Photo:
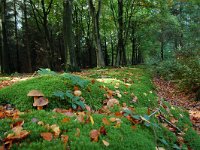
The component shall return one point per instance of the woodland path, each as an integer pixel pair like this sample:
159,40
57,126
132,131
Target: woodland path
170,92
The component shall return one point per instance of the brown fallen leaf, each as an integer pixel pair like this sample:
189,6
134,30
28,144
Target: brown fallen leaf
2,148
18,123
94,135
103,130
64,138
12,136
47,136
105,143
112,102
105,121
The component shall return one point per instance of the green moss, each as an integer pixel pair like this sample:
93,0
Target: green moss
192,139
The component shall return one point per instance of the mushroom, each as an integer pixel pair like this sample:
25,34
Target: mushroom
40,102
35,94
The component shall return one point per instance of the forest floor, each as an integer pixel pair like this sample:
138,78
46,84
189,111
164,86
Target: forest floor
172,94
165,89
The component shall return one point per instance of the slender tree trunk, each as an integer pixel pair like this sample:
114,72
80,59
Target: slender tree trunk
121,54
68,34
95,20
112,49
16,39
26,40
5,48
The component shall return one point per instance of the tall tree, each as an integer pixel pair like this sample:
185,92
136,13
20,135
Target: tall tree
68,34
95,14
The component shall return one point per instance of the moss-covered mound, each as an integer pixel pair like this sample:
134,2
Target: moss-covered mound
134,126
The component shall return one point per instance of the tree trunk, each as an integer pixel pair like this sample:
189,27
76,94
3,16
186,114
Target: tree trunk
16,39
5,48
26,40
121,54
68,34
95,20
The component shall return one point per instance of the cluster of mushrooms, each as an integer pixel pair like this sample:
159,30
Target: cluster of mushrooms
39,100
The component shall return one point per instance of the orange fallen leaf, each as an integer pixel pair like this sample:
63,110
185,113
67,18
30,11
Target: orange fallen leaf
105,143
94,135
66,120
2,115
76,88
12,136
47,136
2,148
112,119
118,114
105,121
64,138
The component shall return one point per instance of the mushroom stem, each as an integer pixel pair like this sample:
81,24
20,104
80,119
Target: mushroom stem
39,107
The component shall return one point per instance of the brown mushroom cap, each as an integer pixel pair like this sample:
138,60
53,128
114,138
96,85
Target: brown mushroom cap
35,93
41,102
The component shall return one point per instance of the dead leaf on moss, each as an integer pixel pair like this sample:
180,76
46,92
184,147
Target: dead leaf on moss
64,138
18,123
105,143
65,120
47,136
91,120
55,128
112,119
103,130
94,135
105,121
13,136
112,102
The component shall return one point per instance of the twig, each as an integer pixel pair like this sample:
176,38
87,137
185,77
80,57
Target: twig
154,112
163,118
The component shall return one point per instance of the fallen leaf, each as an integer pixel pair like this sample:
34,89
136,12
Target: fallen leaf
47,136
55,128
64,138
103,130
105,143
80,118
112,102
18,123
66,120
160,148
78,132
105,121
40,123
2,148
12,136
94,135
2,115
118,114
92,120
17,130
112,119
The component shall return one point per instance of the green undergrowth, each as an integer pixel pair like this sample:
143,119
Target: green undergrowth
93,84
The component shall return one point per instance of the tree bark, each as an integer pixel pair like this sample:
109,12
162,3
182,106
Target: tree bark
26,40
95,20
121,53
68,34
5,48
16,39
